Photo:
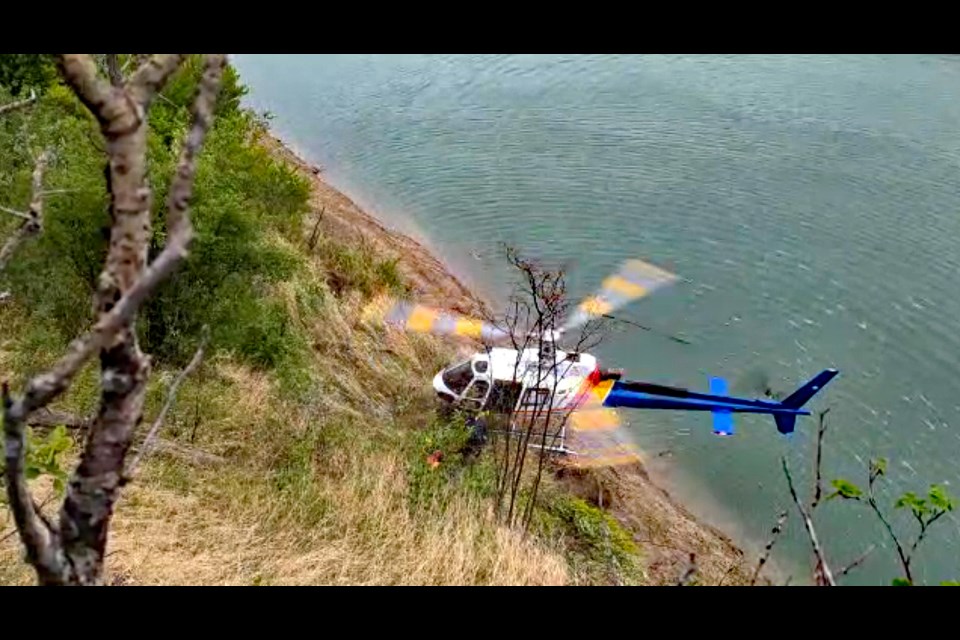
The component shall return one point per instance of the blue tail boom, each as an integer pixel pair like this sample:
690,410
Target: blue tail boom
645,395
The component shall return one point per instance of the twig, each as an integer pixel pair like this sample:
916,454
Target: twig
12,106
669,336
113,69
171,398
50,192
312,242
189,454
821,431
691,571
775,535
152,74
822,566
14,212
47,419
924,527
33,219
726,574
871,500
856,563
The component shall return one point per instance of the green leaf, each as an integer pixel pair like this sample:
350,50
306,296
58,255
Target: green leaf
900,582
940,499
846,489
910,499
950,583
878,466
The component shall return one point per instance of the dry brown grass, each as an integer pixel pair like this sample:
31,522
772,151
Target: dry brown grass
313,493
357,529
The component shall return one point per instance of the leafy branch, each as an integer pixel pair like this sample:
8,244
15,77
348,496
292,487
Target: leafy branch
925,511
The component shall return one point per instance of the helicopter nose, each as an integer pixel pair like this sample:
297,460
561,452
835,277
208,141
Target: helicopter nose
439,385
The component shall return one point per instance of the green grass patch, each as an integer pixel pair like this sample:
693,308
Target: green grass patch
595,543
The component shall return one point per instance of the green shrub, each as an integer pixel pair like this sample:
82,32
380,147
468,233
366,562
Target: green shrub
431,485
244,203
595,542
359,268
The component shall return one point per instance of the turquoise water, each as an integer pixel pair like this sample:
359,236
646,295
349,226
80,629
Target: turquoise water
811,202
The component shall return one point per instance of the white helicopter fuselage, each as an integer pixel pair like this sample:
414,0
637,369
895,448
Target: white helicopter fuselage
502,379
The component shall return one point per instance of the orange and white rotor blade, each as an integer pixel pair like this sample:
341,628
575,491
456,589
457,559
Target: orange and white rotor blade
634,279
423,319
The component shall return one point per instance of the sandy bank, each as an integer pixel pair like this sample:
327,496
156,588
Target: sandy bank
666,531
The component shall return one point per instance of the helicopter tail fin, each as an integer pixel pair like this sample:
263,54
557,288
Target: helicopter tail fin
802,395
786,421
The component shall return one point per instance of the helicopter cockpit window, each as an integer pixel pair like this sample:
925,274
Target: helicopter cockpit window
457,378
481,366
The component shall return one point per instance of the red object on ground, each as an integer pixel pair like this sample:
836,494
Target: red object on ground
434,458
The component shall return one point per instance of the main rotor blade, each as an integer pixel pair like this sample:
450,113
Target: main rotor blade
423,319
634,280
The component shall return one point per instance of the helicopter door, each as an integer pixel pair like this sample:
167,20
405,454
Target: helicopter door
476,394
534,399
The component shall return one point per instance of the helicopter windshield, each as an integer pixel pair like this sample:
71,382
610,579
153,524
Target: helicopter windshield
457,378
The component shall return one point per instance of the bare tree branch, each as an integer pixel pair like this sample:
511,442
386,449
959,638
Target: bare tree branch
821,432
133,59
126,281
113,69
105,102
823,569
15,213
767,550
19,104
33,219
312,242
38,540
187,454
47,419
171,398
202,112
150,77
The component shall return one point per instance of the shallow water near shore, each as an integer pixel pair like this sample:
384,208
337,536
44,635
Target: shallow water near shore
812,204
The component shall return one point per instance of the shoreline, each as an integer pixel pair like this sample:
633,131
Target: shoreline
666,530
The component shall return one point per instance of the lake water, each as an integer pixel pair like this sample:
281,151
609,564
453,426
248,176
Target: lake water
812,203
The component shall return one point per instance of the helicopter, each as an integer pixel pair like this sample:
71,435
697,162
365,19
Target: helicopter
544,380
